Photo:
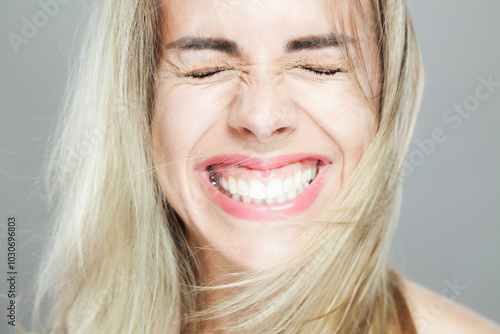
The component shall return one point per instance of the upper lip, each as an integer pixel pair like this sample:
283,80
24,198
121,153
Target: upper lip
259,164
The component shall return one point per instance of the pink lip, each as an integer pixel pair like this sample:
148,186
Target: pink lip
263,212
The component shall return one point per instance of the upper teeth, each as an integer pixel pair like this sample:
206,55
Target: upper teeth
276,191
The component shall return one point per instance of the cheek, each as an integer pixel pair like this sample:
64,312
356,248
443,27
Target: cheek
184,118
343,115
340,111
188,111
176,123
354,128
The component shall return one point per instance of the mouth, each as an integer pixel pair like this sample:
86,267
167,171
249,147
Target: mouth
270,189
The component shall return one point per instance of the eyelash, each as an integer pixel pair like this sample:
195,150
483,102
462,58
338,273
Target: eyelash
205,73
321,70
208,73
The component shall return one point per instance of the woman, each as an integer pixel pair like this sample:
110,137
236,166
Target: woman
245,171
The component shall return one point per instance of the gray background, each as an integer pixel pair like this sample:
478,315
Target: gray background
450,216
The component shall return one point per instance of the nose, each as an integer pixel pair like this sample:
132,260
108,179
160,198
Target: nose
263,113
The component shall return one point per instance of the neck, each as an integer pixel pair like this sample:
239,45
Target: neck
215,271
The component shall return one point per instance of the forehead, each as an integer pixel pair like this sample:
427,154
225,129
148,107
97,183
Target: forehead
256,23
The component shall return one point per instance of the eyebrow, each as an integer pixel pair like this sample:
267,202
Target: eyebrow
205,43
312,42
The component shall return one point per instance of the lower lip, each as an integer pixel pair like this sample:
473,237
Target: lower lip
257,212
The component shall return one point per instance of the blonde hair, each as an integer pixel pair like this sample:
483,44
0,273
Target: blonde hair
119,261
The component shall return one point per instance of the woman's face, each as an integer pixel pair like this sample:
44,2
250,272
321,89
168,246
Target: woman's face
258,123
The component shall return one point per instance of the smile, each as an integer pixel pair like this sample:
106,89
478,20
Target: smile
269,189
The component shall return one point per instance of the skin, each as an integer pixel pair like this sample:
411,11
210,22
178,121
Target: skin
440,315
263,105
265,102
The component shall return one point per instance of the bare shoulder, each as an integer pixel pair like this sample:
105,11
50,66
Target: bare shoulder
437,314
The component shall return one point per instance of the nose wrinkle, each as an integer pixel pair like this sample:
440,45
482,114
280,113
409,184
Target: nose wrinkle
263,112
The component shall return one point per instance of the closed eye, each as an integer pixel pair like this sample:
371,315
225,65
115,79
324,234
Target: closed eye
205,73
201,74
321,70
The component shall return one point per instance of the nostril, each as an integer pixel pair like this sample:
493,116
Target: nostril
281,130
